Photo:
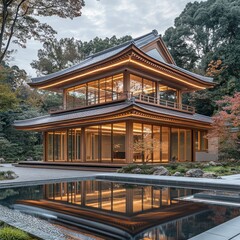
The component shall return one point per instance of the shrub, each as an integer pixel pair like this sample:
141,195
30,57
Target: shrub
10,233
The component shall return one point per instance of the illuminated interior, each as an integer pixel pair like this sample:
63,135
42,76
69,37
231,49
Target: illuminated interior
114,197
107,143
95,92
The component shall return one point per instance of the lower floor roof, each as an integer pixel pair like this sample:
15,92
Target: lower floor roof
129,109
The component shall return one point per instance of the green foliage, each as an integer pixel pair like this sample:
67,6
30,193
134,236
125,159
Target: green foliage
20,20
59,54
206,39
10,233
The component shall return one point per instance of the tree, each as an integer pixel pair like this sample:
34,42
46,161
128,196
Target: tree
226,123
59,54
206,39
145,146
20,20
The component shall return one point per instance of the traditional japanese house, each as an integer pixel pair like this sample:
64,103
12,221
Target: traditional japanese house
124,105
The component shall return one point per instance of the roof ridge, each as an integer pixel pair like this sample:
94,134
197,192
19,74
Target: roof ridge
154,32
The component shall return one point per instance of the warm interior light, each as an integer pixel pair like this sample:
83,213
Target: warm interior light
117,64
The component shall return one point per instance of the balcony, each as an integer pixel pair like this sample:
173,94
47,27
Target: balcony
164,103
117,97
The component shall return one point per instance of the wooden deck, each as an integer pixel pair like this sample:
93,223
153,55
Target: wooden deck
99,167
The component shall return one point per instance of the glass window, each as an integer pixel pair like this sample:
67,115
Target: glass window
147,144
92,143
167,93
71,145
106,143
188,145
119,135
156,144
137,142
165,144
135,85
149,88
117,86
108,89
93,92
76,97
50,146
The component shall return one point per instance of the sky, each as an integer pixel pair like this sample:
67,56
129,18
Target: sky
105,18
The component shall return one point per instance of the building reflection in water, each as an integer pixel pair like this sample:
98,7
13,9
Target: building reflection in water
123,211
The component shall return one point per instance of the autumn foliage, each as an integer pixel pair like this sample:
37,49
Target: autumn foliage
226,123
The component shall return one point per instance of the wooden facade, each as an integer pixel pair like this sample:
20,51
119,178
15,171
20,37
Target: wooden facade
123,105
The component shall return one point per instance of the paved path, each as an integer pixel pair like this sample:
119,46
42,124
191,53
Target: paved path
33,176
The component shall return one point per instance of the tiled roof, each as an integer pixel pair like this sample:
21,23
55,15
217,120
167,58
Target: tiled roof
138,42
111,108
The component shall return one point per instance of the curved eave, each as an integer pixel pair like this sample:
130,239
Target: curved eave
55,82
206,84
119,112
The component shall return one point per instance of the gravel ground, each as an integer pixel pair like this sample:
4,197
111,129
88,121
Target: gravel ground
38,227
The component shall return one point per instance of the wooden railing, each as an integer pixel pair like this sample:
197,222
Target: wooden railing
164,103
82,103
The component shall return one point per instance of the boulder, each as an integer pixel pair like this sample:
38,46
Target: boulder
209,175
177,174
10,175
29,159
161,171
2,160
212,163
195,172
136,170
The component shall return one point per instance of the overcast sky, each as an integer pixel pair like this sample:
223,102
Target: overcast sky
105,18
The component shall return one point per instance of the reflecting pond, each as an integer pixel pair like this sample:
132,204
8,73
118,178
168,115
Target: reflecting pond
114,210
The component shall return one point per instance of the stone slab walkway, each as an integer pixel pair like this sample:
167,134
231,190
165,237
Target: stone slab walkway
36,176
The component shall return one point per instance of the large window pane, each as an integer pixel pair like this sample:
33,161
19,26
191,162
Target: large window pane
182,149
106,143
50,146
93,92
76,97
156,144
135,85
108,89
167,93
188,145
92,143
117,86
71,145
149,88
165,144
147,144
137,142
119,135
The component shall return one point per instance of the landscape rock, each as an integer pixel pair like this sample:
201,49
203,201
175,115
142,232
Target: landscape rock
29,159
195,172
209,175
2,160
136,171
10,175
212,163
206,165
161,171
177,174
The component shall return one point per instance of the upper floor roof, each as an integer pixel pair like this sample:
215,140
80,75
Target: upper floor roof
150,44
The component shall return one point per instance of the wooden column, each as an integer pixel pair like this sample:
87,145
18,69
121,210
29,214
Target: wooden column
129,142
179,96
126,82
